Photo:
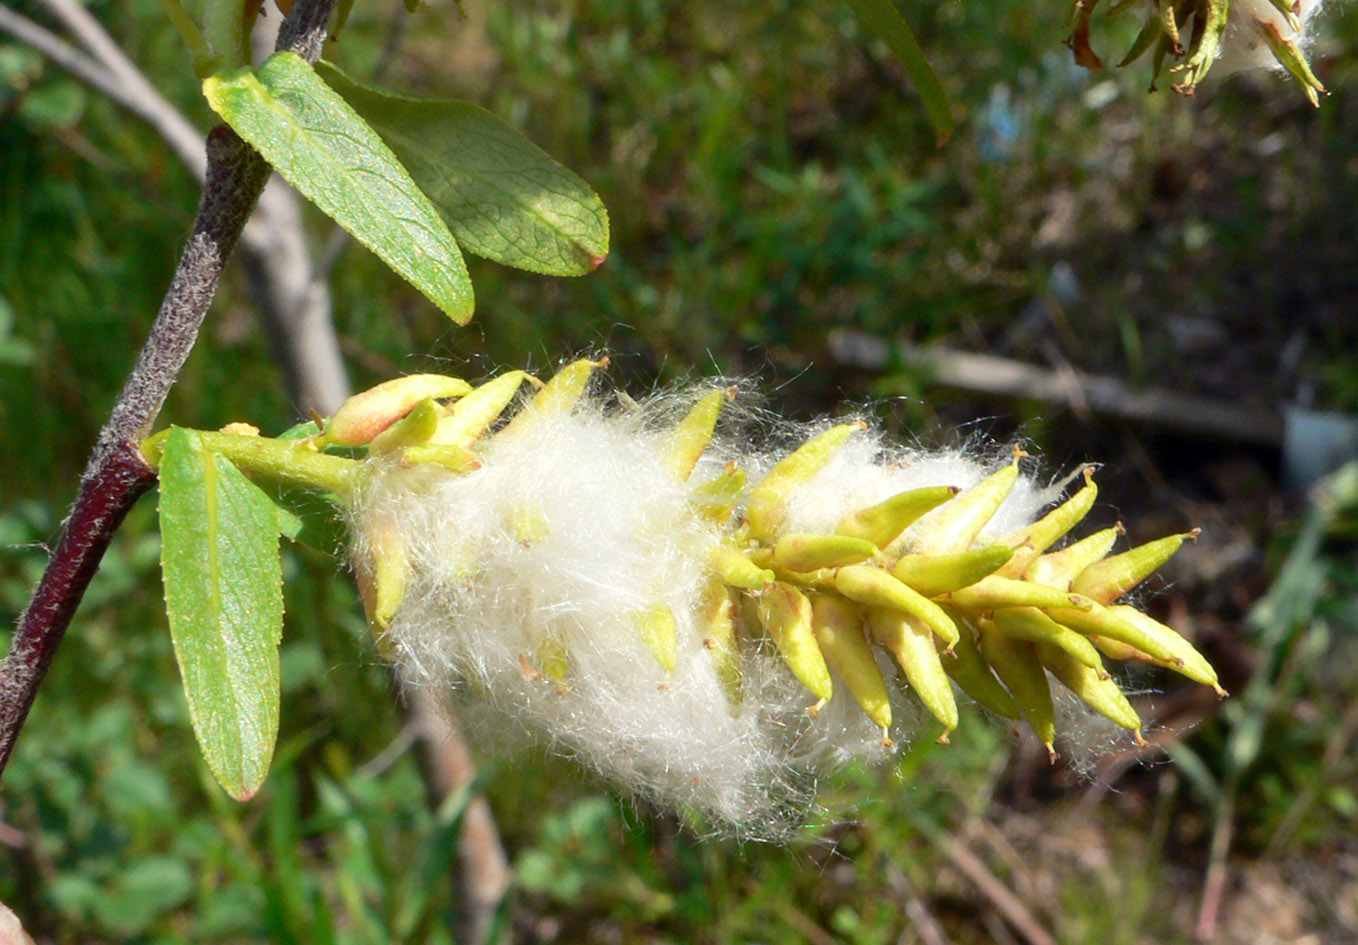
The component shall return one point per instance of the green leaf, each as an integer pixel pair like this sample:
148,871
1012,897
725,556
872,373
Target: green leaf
224,596
503,197
325,150
882,17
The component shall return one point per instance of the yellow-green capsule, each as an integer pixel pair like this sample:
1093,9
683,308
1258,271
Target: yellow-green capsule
1058,568
692,434
716,622
1099,692
991,593
1107,580
656,626
786,616
911,643
932,575
839,631
414,428
363,416
1102,622
737,570
553,659
1151,31
467,420
1169,22
1181,655
1025,623
883,523
876,588
806,552
528,523
1291,57
973,674
1028,543
383,580
1017,665
716,498
450,456
558,396
1288,8
766,508
954,526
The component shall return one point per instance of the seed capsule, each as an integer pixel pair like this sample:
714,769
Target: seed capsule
874,587
558,396
766,508
882,523
1025,623
363,416
554,659
716,498
786,616
415,427
1100,693
468,419
932,575
1182,655
973,674
694,432
716,621
992,592
1289,54
737,570
1057,568
805,552
953,527
656,626
912,645
383,579
1107,580
1103,622
1017,665
450,456
1028,543
839,631
528,523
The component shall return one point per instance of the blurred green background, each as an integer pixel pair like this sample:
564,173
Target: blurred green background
780,212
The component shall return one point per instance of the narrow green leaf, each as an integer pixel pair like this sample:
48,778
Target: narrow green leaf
882,17
224,597
325,150
503,197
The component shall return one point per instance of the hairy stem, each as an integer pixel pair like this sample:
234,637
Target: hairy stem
291,461
117,474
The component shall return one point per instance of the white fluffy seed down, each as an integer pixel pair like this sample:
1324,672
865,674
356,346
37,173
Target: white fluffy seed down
1242,45
568,532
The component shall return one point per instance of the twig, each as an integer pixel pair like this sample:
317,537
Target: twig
117,475
1000,896
922,921
1157,407
129,87
60,52
1214,885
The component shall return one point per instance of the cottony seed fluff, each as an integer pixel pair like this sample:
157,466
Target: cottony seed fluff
714,623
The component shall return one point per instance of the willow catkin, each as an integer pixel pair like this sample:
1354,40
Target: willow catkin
580,587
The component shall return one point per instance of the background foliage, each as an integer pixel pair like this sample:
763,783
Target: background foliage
774,195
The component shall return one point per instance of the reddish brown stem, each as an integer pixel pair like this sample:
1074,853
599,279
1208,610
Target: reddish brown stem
116,475
107,493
